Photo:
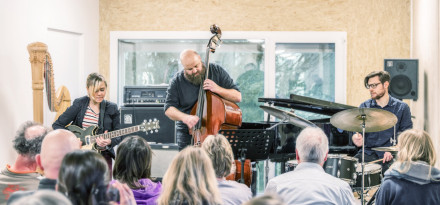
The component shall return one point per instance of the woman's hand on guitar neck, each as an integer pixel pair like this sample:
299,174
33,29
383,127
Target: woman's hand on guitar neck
101,142
190,121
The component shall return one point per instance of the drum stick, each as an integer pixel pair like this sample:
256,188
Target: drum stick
379,160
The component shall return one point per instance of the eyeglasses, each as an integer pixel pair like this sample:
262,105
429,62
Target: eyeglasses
374,85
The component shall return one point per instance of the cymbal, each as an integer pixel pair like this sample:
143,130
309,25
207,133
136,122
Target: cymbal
287,116
386,149
375,119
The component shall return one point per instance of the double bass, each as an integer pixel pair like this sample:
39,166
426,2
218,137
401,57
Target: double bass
216,113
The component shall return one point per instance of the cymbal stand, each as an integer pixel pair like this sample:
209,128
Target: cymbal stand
393,140
363,116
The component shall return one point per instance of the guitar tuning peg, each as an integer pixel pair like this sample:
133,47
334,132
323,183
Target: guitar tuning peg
156,131
151,131
155,119
149,120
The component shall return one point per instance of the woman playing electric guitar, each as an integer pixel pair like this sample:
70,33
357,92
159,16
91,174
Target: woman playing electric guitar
94,110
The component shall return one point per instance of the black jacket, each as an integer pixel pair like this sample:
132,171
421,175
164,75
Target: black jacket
75,115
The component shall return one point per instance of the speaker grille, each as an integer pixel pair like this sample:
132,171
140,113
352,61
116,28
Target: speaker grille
400,85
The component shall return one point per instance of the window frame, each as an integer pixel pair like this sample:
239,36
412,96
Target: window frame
271,38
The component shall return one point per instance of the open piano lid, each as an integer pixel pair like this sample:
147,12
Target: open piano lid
307,104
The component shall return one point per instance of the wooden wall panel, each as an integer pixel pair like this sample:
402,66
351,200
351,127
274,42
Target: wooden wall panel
376,29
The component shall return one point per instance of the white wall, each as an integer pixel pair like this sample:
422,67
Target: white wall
426,48
70,28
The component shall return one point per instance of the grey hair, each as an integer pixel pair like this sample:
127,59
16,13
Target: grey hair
312,145
26,143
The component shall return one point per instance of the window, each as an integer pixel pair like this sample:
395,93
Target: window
263,64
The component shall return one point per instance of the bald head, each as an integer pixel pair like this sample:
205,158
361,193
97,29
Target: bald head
55,145
189,58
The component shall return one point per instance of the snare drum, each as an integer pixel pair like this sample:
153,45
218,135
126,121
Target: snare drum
291,165
343,167
372,176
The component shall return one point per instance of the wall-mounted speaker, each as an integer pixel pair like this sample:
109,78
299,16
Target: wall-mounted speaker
404,77
131,116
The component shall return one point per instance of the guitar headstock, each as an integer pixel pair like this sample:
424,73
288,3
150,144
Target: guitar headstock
150,126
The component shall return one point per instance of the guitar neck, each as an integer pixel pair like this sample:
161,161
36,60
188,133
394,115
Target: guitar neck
117,133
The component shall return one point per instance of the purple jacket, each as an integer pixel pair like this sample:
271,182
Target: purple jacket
147,195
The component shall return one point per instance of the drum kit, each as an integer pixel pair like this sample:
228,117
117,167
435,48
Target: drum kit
362,120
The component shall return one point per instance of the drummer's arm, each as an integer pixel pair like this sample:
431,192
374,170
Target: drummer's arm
387,156
176,115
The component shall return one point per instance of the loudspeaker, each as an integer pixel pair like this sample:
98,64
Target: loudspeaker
162,157
131,116
404,77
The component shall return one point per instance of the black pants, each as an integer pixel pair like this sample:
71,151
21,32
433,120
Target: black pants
183,139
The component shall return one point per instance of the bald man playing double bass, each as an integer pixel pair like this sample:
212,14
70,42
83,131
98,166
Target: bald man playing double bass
183,91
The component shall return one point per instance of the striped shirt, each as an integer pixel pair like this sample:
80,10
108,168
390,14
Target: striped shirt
90,118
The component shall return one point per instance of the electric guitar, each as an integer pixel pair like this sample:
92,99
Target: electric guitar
88,136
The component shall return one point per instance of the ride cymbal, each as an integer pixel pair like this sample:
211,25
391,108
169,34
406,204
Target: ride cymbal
375,119
386,149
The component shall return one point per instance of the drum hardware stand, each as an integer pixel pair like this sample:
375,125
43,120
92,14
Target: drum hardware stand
363,116
394,140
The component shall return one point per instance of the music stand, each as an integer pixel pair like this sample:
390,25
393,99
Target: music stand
253,144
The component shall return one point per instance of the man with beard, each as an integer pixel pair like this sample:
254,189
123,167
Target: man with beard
182,94
377,83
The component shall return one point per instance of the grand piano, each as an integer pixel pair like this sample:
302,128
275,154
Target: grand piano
286,133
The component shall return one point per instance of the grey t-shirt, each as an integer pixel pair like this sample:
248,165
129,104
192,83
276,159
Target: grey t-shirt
233,192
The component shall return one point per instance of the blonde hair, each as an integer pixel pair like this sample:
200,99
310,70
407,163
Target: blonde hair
190,179
220,151
414,145
93,81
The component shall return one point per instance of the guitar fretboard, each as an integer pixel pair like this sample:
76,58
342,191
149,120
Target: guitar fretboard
117,133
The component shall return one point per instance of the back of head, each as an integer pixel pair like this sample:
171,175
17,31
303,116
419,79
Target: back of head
266,199
43,197
133,161
416,145
190,179
55,146
312,145
83,177
220,151
28,140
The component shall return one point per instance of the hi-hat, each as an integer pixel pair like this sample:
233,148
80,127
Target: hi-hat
375,119
386,149
287,117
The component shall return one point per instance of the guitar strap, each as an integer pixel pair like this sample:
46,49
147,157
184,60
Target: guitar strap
101,116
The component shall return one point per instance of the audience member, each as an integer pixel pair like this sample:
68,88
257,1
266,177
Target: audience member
266,199
22,174
43,197
55,146
133,167
219,150
308,183
190,179
412,179
83,178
